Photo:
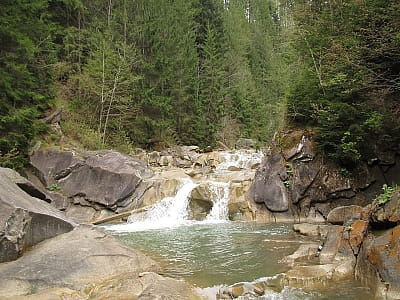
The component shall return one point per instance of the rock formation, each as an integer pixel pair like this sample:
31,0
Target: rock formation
295,184
63,260
25,220
90,185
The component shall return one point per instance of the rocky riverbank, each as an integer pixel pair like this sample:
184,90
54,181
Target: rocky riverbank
50,249
46,255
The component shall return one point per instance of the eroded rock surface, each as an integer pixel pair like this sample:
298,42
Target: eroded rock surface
24,220
295,180
87,261
101,180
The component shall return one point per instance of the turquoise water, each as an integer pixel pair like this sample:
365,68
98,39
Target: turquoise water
211,255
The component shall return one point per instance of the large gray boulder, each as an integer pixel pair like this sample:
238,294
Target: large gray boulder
25,220
101,179
268,186
87,261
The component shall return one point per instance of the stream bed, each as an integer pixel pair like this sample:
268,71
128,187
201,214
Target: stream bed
216,254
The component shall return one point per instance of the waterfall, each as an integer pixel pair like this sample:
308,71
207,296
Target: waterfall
241,159
173,211
169,212
219,211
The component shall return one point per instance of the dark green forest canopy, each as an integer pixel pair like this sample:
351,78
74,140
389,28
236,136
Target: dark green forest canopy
154,73
349,83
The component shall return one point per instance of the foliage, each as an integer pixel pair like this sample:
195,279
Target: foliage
386,196
54,187
28,48
349,82
151,73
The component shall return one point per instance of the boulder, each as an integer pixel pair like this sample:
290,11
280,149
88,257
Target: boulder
383,254
355,234
335,246
209,159
106,178
305,253
341,215
308,229
75,259
240,207
25,220
302,151
201,201
87,263
388,214
317,276
304,175
268,186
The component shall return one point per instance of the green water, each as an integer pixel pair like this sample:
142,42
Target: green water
208,255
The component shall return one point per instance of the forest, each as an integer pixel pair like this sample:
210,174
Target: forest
157,73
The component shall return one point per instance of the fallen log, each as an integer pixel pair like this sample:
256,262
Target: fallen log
120,215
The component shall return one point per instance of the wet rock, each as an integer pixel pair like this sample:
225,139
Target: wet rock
268,187
340,215
201,201
24,220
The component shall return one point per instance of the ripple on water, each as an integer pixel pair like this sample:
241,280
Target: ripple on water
210,256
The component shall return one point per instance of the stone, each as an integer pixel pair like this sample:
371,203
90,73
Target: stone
335,246
304,175
313,277
340,215
74,259
302,151
305,253
201,201
388,214
355,234
25,220
308,229
268,187
106,178
383,255
209,159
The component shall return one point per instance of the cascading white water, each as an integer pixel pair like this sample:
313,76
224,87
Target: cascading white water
219,211
241,159
173,211
169,212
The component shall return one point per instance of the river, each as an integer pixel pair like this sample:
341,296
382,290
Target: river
215,253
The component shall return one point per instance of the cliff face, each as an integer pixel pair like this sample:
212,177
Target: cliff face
294,182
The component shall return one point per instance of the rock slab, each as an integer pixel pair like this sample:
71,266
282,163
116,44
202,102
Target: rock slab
25,220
